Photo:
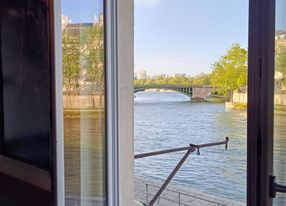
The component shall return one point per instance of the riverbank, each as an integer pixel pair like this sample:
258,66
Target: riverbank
278,109
239,101
175,194
87,113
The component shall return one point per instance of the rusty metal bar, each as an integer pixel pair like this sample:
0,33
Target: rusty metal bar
197,147
138,156
211,144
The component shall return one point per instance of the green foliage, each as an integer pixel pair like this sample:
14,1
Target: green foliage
280,60
83,59
230,72
201,79
71,61
94,56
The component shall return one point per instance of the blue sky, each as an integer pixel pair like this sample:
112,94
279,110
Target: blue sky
280,14
180,36
82,10
187,36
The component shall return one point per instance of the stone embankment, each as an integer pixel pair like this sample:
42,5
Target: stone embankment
83,101
239,101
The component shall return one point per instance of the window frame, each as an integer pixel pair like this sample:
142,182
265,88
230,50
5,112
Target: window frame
260,101
111,89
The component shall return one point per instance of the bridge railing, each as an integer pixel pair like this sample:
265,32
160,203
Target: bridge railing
170,86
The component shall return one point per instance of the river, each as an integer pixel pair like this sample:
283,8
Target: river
168,119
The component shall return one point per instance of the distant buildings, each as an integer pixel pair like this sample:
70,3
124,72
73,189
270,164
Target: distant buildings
68,25
180,75
280,39
141,75
65,22
280,36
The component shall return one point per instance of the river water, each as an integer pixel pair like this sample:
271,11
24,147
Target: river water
168,119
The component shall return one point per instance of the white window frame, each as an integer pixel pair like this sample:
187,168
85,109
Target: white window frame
111,92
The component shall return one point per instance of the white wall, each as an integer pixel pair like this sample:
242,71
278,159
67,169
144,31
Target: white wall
126,99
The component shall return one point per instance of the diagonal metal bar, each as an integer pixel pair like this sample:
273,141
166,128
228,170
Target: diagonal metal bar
168,180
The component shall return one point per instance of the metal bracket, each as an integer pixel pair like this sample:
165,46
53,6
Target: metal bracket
274,187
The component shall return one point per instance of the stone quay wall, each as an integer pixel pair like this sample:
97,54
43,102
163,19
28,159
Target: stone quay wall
279,97
83,101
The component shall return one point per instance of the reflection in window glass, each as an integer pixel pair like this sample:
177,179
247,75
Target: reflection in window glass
84,101
25,123
280,100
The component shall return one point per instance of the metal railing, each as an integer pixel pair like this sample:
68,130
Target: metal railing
183,199
191,148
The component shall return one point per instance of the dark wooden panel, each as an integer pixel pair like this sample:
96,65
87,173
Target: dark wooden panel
14,192
260,101
25,60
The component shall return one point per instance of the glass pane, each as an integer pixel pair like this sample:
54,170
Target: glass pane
280,100
190,88
84,101
25,81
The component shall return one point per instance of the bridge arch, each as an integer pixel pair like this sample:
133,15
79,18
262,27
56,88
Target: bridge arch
196,93
182,91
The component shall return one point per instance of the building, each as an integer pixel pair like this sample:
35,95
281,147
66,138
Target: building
142,74
180,75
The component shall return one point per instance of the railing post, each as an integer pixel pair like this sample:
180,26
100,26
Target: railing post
147,201
179,199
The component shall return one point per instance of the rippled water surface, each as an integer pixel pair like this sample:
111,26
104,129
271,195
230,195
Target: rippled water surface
167,120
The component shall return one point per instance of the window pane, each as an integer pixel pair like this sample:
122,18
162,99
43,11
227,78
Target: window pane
280,100
191,88
84,101
25,81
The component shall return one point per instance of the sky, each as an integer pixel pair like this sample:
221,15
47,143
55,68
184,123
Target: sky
82,11
280,14
187,36
180,36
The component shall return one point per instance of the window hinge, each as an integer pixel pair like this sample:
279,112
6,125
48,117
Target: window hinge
274,187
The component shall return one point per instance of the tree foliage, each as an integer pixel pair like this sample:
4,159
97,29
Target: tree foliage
94,56
230,72
280,60
201,79
71,61
83,59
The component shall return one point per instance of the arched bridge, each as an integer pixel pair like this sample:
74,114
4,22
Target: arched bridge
195,92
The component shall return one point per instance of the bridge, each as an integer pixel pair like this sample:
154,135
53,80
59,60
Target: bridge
195,92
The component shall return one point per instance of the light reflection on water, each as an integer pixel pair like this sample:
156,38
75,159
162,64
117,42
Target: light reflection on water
168,120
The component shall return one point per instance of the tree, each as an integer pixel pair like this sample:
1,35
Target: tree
280,61
201,79
71,61
93,56
83,58
230,72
